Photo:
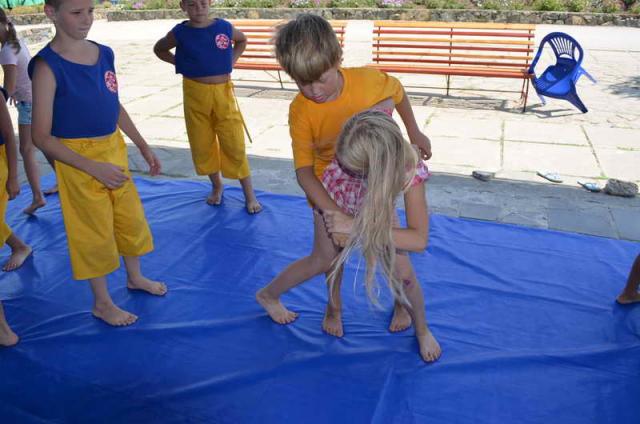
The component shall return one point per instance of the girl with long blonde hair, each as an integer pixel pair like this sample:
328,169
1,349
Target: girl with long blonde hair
379,166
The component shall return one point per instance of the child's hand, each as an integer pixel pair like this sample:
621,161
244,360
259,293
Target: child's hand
112,176
337,222
13,188
423,143
154,163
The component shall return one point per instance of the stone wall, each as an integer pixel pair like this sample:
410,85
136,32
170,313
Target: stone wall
443,15
41,18
36,35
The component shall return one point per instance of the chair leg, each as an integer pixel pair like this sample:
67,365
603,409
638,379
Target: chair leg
588,75
280,80
574,99
448,81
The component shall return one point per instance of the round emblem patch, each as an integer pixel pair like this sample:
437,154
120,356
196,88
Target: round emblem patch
110,81
222,41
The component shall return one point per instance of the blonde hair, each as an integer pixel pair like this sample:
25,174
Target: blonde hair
371,145
306,47
12,37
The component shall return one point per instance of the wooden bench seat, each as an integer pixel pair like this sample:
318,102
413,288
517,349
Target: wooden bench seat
491,50
259,54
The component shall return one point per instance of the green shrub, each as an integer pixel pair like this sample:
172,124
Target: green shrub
353,3
610,6
576,5
635,9
548,5
27,10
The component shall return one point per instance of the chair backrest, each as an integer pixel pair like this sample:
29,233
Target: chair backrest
563,45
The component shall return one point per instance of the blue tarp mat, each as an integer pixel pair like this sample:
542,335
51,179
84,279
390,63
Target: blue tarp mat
526,318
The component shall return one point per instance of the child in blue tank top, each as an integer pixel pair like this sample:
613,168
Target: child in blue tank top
206,50
77,117
9,189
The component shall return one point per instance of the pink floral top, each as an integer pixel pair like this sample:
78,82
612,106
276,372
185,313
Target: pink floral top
348,191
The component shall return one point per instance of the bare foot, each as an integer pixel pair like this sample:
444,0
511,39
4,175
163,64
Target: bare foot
215,198
429,347
51,190
253,206
17,258
275,308
153,287
113,315
332,322
401,319
625,299
34,206
7,336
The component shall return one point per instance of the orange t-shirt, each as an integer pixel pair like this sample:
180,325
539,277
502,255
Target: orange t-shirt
315,127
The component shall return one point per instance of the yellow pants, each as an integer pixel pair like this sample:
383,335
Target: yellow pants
101,224
5,231
214,127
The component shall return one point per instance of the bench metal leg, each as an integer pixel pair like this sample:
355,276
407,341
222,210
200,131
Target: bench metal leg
525,94
448,83
280,79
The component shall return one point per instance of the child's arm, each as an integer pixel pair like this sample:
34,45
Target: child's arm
413,238
239,44
13,188
413,130
44,89
10,79
129,128
314,189
163,47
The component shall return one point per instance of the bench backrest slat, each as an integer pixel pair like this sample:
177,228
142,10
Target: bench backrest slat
452,44
260,33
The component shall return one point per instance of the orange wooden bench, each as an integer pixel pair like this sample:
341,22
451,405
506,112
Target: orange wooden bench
259,53
490,50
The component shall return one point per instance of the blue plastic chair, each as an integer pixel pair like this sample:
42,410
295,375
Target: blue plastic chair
559,81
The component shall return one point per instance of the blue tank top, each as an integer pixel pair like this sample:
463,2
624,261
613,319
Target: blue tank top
86,102
203,52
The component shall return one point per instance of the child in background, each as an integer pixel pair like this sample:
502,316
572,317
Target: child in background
630,293
9,189
308,50
77,117
14,58
206,50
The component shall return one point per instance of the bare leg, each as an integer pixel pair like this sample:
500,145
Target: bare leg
137,281
298,272
215,198
429,347
7,336
105,309
20,251
401,319
28,153
252,204
630,293
332,322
